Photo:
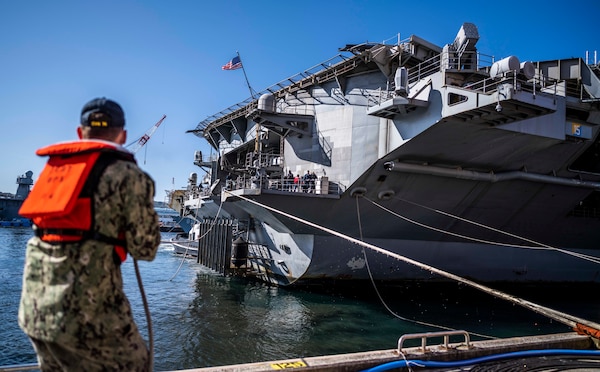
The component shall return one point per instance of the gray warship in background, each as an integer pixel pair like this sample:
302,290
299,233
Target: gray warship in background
11,203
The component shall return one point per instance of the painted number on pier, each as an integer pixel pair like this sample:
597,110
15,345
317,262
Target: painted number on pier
288,365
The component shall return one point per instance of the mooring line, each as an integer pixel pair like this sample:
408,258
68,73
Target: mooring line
541,246
561,317
138,275
381,297
442,231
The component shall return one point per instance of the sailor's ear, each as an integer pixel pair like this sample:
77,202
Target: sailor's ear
122,137
79,133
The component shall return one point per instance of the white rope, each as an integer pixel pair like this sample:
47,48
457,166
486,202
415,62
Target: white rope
381,297
561,317
148,316
540,246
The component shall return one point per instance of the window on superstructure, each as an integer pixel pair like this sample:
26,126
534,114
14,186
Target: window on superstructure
454,98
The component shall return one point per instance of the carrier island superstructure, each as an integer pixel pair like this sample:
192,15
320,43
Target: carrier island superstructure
482,166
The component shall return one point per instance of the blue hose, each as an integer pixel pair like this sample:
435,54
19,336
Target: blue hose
488,358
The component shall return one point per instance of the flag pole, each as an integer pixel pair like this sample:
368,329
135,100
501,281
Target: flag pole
252,93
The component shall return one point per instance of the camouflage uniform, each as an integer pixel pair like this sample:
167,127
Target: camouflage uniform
73,306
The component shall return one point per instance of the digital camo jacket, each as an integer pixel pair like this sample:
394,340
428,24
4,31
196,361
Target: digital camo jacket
73,292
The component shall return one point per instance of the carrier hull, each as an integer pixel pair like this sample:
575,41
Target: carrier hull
489,172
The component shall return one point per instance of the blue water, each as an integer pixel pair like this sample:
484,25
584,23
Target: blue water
202,319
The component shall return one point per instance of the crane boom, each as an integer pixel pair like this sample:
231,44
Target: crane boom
140,142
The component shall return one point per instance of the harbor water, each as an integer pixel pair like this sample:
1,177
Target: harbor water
201,319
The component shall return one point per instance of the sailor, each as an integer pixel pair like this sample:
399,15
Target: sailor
228,182
306,182
91,206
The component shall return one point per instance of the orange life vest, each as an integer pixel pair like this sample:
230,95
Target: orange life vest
61,202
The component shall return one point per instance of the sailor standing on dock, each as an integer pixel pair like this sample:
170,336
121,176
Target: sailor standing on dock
91,206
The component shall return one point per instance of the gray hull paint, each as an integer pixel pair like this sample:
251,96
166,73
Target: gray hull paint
487,178
10,204
335,258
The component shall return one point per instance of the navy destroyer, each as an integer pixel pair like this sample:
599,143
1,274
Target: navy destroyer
10,203
484,167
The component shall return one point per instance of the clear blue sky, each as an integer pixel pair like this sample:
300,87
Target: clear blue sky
165,57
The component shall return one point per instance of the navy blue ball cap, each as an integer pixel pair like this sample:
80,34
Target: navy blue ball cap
102,113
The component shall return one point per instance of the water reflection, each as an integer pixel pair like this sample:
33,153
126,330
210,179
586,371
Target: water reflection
235,321
244,322
231,321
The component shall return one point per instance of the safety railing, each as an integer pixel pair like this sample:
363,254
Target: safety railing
300,184
445,335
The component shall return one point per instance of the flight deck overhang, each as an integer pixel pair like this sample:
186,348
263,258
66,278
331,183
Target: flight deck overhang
396,106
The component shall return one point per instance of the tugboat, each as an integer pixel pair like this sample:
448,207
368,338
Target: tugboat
10,204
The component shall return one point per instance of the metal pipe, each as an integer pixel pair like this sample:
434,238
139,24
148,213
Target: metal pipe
487,177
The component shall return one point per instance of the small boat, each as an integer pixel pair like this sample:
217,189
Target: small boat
168,218
198,211
185,244
169,225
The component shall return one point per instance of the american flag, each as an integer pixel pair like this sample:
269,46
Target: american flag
233,64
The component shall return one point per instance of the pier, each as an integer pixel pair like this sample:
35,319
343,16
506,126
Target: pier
428,351
445,352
